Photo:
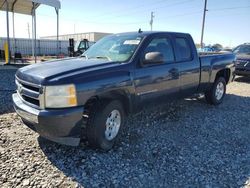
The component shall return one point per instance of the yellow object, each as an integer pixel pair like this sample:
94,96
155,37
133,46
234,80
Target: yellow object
72,96
72,101
72,90
6,51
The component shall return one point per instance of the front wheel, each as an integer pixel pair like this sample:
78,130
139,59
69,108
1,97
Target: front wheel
216,94
104,124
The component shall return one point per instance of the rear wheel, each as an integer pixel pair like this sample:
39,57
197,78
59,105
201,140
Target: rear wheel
216,94
104,124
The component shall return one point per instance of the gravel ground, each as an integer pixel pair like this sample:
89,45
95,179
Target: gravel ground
183,144
7,87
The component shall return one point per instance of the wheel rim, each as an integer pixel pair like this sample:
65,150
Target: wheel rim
219,92
113,124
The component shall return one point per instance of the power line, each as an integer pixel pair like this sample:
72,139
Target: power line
137,10
156,8
125,15
218,16
140,22
132,8
180,15
229,8
85,21
130,23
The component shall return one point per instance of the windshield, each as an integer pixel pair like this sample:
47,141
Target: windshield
243,49
114,48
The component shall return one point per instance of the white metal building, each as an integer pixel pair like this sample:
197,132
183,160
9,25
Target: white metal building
27,7
91,36
43,47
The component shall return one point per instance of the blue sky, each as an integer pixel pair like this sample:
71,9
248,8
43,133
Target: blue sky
227,22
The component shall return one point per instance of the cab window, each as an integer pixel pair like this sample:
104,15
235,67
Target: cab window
163,46
183,49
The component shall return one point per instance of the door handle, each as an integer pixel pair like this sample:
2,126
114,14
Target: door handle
174,72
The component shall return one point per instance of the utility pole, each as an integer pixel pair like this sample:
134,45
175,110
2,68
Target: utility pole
28,28
152,20
203,22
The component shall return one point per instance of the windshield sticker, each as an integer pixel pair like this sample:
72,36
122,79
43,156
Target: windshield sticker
131,42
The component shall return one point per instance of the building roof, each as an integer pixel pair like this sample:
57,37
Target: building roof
25,6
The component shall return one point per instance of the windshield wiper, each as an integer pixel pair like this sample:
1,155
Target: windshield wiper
101,57
84,56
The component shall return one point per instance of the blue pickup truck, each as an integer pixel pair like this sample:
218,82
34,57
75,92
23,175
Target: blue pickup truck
120,74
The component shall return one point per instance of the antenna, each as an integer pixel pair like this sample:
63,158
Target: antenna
152,20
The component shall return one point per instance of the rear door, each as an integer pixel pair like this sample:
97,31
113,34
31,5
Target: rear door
158,80
189,65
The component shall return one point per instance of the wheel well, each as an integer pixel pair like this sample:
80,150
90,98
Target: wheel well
113,95
225,73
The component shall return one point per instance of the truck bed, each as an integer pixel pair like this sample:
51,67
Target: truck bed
211,61
213,53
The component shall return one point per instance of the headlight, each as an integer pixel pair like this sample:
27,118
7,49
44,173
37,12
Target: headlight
60,96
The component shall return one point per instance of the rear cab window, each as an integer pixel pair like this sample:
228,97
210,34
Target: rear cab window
183,49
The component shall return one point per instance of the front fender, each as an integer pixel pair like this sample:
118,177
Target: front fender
119,84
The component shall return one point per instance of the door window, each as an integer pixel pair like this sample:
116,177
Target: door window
163,46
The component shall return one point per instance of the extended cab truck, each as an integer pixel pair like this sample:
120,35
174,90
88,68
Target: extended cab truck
116,76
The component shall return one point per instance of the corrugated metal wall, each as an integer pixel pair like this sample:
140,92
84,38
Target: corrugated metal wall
44,47
91,36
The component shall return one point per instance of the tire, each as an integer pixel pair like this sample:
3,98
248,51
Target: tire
97,129
216,94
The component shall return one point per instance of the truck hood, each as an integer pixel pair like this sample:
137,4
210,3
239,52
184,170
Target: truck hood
49,70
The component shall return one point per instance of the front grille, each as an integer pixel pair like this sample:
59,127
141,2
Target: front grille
31,100
241,63
30,93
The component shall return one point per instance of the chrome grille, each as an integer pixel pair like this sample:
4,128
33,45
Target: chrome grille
29,93
241,63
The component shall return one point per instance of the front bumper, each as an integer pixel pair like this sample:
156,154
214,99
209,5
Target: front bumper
59,125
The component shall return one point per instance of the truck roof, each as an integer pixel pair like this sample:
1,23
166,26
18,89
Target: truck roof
146,33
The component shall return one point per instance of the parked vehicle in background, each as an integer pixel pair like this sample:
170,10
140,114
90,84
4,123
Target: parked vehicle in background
118,75
76,49
242,64
227,50
209,49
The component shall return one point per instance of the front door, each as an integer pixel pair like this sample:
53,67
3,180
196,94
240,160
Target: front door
157,80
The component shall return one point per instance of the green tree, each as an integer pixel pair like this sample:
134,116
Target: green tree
219,46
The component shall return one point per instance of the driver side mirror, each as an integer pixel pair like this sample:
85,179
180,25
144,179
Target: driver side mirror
153,58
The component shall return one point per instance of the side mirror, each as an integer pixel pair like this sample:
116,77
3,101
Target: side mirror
152,58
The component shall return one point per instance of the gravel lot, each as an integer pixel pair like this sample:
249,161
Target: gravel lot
7,86
183,144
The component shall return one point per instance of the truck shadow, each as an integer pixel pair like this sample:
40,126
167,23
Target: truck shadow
189,143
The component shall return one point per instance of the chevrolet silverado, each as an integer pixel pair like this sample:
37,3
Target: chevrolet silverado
92,94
